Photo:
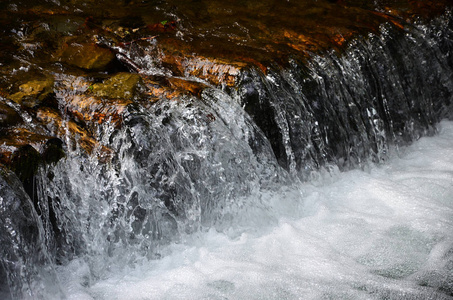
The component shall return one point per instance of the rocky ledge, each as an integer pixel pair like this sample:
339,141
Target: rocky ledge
68,67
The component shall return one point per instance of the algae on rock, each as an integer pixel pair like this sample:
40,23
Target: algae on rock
120,86
33,93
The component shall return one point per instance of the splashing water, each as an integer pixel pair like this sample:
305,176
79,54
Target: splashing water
384,233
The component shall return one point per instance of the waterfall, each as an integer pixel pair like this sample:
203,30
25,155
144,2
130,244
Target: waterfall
216,161
346,109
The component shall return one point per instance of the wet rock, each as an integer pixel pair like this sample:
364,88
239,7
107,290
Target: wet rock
87,56
8,116
120,86
93,111
25,161
191,87
74,134
213,70
53,151
34,93
158,91
172,88
17,137
23,151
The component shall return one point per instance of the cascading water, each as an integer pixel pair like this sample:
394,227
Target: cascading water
347,109
232,164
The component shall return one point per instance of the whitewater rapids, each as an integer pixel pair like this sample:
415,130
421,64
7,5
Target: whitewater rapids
381,233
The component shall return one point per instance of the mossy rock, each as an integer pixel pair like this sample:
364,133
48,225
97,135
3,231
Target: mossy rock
120,86
87,56
34,93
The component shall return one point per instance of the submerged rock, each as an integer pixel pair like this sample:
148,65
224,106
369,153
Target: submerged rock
214,70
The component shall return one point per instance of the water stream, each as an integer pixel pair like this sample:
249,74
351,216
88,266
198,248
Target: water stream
297,184
384,233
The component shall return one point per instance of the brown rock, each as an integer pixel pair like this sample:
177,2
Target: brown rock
93,110
214,70
120,86
69,130
182,85
17,137
172,88
87,56
34,93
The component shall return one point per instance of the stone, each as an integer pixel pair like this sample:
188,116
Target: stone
73,133
191,87
215,71
87,56
22,151
93,111
34,92
120,86
182,62
171,88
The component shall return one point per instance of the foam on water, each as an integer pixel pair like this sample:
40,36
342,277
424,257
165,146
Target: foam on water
385,233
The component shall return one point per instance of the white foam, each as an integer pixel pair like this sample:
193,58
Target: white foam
386,233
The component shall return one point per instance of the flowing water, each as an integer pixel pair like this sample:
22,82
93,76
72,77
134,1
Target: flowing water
384,233
297,184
